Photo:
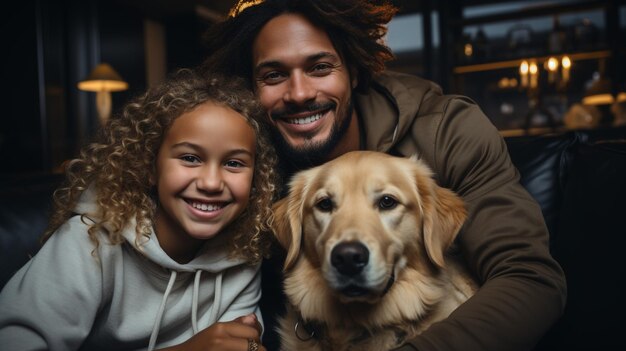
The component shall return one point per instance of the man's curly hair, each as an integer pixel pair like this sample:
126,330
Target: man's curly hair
120,164
355,27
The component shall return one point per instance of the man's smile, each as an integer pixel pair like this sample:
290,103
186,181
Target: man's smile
305,120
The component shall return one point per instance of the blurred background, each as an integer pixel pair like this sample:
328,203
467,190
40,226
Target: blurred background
533,66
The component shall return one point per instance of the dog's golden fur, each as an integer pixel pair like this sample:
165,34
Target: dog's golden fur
393,208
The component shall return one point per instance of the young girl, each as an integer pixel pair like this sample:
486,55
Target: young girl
156,240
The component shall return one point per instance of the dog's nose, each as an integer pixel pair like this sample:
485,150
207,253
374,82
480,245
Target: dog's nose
349,258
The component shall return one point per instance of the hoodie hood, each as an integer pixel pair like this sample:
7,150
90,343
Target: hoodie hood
213,257
388,108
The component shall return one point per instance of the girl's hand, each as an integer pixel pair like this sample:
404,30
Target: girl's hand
226,336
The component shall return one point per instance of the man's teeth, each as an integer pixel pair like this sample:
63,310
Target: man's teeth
306,120
206,207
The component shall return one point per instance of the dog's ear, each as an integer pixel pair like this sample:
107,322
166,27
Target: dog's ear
443,215
288,229
287,223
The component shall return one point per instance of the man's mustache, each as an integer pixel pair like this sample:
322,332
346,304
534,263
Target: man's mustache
292,109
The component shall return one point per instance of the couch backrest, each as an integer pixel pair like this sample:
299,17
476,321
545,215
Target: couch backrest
25,204
579,180
543,163
590,246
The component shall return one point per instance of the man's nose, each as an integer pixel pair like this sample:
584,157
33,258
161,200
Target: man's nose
300,89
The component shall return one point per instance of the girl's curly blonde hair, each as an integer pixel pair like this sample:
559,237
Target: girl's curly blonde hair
120,164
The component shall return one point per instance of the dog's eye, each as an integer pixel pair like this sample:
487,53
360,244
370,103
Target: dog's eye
325,205
387,202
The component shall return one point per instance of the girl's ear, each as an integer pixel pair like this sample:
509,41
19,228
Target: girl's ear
152,179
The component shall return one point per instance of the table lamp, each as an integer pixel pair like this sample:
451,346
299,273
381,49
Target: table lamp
103,80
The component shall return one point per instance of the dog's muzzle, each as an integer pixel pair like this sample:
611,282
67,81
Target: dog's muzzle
349,259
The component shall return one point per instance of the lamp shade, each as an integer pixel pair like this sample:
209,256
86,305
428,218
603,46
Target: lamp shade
103,78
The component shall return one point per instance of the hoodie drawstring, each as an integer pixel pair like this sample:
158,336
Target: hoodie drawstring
194,303
157,322
217,300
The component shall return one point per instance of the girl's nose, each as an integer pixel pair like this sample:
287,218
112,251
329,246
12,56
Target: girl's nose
210,179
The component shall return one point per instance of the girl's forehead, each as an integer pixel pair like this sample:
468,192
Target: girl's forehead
214,126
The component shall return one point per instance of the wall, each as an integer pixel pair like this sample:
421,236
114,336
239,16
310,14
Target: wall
49,47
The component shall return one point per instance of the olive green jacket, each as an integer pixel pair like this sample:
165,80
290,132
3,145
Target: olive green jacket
504,240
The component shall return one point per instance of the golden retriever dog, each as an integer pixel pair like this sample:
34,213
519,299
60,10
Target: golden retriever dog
367,237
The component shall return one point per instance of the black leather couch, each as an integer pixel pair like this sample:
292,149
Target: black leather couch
578,178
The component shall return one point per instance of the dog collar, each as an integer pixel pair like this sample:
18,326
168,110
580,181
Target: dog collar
309,330
306,331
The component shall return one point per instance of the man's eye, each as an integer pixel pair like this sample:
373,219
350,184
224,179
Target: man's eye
387,202
325,205
321,68
272,77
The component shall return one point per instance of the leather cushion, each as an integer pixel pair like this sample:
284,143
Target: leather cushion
543,164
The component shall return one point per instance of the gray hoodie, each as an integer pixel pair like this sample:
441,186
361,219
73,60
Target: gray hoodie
120,297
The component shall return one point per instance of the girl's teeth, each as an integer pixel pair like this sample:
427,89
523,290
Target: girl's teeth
205,207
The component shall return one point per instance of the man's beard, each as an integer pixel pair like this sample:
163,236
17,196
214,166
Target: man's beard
311,153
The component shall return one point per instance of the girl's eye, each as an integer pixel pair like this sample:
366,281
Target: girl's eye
325,205
190,158
387,202
234,164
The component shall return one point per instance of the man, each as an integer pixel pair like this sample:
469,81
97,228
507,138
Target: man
318,68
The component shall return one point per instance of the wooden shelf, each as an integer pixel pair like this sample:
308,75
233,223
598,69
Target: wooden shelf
490,66
508,133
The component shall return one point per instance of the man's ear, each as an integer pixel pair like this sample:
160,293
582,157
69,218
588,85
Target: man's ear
354,77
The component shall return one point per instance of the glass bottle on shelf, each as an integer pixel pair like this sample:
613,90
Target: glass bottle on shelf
557,37
481,46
